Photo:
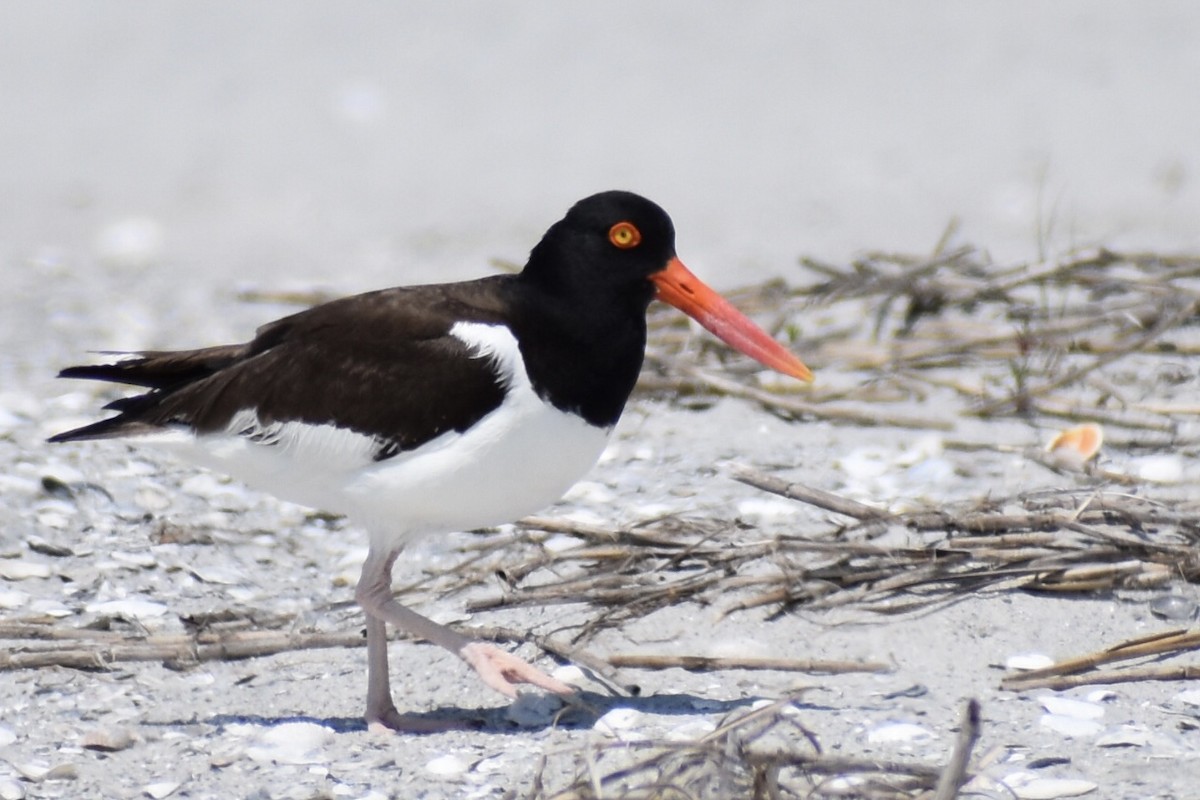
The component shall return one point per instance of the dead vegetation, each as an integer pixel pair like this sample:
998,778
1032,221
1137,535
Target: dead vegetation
1093,336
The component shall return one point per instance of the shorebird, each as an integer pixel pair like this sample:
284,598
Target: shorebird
421,410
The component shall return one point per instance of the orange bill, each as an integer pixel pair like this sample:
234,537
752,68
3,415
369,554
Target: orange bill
679,287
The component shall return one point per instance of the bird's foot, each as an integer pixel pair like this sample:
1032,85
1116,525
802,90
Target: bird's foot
502,670
389,720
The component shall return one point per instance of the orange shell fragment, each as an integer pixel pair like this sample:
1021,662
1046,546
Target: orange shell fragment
1083,440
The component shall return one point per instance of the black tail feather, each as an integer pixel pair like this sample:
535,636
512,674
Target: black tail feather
160,369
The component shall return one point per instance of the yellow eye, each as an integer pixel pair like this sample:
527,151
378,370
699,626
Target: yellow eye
624,235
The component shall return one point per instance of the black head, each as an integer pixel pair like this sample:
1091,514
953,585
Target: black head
609,242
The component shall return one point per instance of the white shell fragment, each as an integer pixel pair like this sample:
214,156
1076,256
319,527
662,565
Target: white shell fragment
1158,468
618,723
1031,786
1068,707
131,607
1028,661
1125,736
162,789
108,740
11,790
17,570
291,743
448,766
1073,727
898,733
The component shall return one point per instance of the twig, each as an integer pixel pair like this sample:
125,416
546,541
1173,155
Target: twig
954,775
714,663
805,494
88,653
1175,641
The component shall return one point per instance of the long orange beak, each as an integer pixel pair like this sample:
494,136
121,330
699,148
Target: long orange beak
679,287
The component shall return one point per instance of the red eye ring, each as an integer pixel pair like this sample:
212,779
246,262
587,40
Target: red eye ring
624,235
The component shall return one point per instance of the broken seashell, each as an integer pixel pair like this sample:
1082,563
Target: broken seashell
1082,440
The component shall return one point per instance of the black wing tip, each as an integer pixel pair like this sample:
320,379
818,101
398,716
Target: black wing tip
111,428
96,372
103,429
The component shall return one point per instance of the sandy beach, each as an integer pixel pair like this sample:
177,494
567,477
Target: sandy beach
174,176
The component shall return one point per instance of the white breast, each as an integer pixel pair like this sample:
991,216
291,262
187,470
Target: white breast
517,459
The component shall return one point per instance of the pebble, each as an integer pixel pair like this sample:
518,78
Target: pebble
291,743
1191,697
1031,786
7,736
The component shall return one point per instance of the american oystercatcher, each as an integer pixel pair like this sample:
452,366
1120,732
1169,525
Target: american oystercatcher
426,409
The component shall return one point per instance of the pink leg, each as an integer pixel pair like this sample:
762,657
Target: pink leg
499,669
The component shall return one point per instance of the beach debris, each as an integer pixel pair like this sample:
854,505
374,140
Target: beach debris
1079,444
108,739
1031,786
897,732
20,570
290,743
160,789
137,608
448,765
11,789
1165,468
1126,736
619,723
1173,607
1028,661
1070,707
1073,727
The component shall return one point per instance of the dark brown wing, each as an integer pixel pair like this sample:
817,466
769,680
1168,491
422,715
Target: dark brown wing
382,364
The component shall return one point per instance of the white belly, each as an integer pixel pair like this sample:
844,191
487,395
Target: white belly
519,458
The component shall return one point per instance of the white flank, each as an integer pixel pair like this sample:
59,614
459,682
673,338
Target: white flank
517,459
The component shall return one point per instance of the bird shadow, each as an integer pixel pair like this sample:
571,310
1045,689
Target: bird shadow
581,712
